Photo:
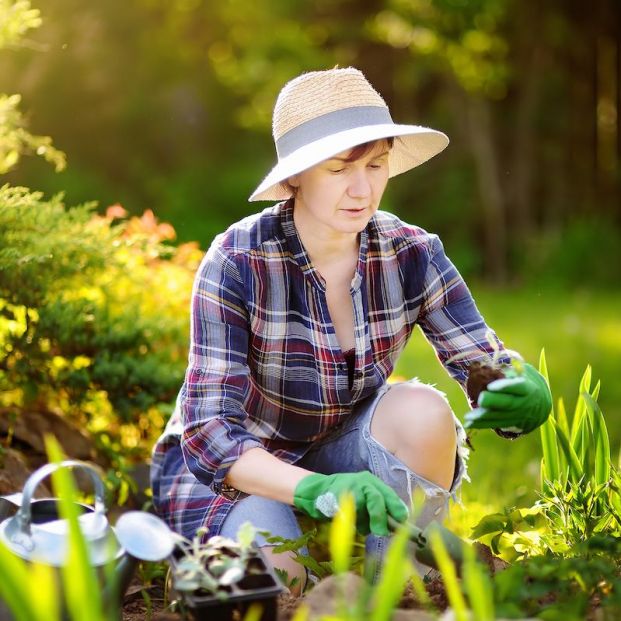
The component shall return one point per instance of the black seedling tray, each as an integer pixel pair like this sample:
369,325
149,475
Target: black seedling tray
260,585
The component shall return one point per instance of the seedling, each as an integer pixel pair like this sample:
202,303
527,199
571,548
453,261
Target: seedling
216,565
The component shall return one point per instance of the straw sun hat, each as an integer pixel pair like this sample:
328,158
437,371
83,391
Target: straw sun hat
322,113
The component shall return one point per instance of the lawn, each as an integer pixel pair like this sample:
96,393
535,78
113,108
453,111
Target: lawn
576,328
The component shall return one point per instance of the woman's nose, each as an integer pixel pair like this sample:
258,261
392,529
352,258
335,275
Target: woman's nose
360,185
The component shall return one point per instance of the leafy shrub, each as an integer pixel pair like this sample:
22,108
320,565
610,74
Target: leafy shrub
93,317
580,488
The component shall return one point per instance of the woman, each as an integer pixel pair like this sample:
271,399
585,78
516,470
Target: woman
299,314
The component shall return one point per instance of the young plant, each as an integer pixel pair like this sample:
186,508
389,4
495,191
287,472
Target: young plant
579,485
580,488
215,565
320,569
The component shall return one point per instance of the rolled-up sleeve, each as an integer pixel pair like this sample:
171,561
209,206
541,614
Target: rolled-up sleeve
450,319
216,382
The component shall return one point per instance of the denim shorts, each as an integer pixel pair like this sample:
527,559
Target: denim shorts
351,448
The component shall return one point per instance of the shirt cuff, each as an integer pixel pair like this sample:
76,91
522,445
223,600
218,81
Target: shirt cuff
218,485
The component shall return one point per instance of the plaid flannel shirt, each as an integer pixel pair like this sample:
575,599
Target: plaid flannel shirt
265,367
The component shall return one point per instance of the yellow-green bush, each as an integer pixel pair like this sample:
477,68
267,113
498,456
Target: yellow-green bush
93,317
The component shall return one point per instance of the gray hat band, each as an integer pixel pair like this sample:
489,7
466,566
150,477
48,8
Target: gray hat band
330,123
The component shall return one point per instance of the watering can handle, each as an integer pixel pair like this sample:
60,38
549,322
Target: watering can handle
24,515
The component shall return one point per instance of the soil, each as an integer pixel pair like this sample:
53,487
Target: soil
479,377
135,607
320,599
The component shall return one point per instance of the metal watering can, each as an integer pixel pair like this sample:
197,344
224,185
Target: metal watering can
37,533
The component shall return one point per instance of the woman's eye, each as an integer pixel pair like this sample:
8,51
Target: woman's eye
337,170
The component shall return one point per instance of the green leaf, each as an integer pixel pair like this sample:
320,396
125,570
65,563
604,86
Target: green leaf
245,535
550,465
449,576
491,523
478,587
81,588
585,385
17,587
575,467
394,575
561,419
342,534
601,439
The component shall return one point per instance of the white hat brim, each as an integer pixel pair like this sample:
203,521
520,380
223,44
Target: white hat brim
415,145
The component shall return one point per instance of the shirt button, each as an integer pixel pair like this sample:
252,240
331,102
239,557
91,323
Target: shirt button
437,511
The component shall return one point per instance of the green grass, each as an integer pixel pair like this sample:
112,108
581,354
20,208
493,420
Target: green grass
576,328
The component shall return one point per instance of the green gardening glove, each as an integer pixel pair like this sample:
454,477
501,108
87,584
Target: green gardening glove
317,495
518,404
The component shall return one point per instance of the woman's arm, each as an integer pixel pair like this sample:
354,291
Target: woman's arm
261,473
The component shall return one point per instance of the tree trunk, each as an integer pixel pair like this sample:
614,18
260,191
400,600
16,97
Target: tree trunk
481,137
530,66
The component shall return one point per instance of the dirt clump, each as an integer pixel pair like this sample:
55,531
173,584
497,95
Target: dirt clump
479,376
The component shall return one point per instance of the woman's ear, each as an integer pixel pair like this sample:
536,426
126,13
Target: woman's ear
293,182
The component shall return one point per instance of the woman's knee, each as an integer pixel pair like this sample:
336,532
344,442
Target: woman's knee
415,422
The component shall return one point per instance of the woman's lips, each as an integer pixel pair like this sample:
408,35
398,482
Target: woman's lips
355,212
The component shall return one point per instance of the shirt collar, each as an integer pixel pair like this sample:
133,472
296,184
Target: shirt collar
301,256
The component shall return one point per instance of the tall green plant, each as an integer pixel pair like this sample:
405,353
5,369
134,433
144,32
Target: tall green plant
580,451
33,591
580,486
28,590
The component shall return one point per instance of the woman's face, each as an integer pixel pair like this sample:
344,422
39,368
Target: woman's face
341,196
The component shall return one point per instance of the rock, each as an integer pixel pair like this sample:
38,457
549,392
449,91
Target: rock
323,600
14,472
449,615
31,428
412,615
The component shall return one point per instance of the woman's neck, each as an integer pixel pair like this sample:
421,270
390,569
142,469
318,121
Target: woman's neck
325,247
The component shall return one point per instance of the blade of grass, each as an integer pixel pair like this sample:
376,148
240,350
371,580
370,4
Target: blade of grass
585,386
575,467
81,587
561,420
601,438
341,543
449,576
342,534
46,601
588,448
550,465
394,575
478,587
14,586
421,592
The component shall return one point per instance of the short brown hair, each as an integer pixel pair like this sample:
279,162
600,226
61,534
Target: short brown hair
361,150
356,153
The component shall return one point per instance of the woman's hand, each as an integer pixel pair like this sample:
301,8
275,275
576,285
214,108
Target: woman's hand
516,404
317,495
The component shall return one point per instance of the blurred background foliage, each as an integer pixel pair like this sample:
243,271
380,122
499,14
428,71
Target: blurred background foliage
166,105
160,112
